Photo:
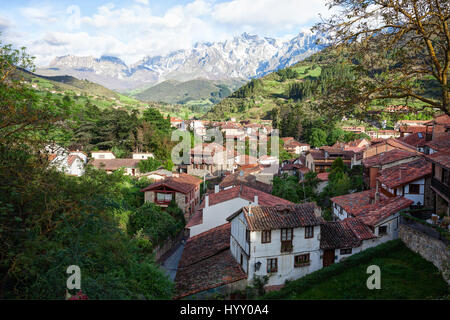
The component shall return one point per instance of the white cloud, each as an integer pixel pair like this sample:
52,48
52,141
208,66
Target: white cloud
142,2
40,15
269,13
130,32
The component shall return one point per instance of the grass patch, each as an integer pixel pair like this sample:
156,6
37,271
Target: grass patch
404,275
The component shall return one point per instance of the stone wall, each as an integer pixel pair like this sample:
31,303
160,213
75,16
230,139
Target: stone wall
428,245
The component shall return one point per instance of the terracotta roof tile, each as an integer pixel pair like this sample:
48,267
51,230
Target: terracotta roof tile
441,158
205,245
404,173
207,263
114,164
323,176
440,143
387,157
281,216
359,229
415,139
336,235
383,209
353,202
184,183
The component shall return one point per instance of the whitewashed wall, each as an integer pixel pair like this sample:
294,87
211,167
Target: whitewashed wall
216,215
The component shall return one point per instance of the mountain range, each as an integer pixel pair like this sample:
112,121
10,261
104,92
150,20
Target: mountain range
242,58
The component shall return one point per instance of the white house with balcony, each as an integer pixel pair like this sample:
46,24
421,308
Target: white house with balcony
282,242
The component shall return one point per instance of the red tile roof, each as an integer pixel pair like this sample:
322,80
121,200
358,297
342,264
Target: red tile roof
207,263
441,158
413,129
383,209
336,235
280,216
205,245
359,229
247,177
184,183
114,164
440,143
404,173
323,176
415,139
353,202
247,193
387,157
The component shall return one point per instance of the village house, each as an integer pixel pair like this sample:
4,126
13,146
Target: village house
209,159
380,146
175,122
142,155
69,162
130,166
159,174
372,165
355,129
416,140
406,130
282,242
439,126
439,143
440,181
250,176
355,145
218,206
384,134
321,160
184,189
343,238
410,180
207,267
105,154
374,209
293,146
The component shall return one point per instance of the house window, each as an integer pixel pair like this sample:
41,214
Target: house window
382,230
247,235
346,251
286,240
272,265
102,156
163,197
309,232
265,236
414,188
301,260
286,234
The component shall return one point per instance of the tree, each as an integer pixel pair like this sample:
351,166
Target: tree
395,47
318,137
148,165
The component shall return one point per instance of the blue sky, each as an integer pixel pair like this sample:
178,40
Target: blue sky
133,29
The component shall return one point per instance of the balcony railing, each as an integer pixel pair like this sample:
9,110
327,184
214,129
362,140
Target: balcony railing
442,188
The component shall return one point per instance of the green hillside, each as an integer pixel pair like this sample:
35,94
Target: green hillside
193,92
301,87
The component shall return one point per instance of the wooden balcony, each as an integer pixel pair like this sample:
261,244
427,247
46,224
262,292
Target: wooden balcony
440,187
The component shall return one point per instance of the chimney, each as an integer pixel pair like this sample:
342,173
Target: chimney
216,188
206,200
256,200
317,211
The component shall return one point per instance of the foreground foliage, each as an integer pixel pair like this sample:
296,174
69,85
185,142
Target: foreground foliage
404,275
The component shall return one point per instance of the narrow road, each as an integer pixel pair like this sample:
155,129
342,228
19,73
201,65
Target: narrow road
170,265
